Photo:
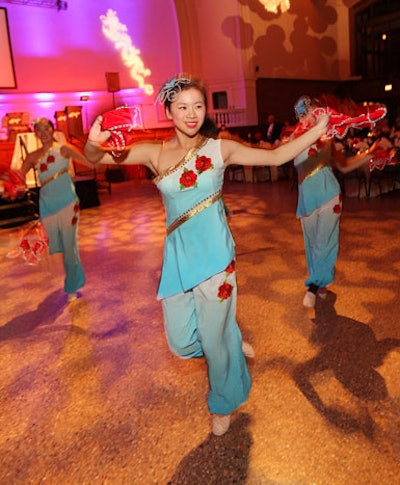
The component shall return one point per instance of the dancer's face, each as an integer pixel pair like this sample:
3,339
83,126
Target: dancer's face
307,119
188,111
44,131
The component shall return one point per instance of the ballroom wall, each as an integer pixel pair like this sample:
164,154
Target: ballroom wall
60,56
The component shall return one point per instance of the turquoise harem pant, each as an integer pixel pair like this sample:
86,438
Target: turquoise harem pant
62,231
200,323
321,241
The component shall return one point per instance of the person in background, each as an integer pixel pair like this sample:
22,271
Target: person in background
395,132
287,130
272,130
58,203
198,280
224,132
319,201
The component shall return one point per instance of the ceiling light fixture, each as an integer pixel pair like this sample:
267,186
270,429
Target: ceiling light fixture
57,4
273,5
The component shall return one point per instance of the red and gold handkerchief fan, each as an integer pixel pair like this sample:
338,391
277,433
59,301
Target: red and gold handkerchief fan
121,123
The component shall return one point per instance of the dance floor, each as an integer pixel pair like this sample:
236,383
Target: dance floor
90,393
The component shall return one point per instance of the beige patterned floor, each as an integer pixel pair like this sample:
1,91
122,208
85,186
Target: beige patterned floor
90,394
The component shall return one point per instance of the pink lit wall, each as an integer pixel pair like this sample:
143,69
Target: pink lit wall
61,55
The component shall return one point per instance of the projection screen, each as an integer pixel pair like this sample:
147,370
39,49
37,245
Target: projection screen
7,73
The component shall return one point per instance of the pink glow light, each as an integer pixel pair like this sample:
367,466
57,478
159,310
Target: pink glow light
118,34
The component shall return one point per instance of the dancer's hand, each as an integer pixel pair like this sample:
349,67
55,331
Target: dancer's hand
322,122
96,135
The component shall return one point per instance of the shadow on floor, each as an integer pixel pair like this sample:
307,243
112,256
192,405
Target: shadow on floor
218,460
351,352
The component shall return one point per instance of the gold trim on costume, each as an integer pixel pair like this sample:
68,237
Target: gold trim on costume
189,154
53,177
193,211
314,171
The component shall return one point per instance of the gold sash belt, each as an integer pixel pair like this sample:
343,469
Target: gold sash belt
193,211
53,177
307,174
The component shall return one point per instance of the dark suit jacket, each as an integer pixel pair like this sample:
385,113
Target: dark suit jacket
275,134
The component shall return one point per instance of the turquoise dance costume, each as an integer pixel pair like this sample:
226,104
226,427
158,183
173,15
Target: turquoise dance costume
59,214
198,280
319,209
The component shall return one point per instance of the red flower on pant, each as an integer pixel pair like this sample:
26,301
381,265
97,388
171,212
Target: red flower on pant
225,291
76,210
231,267
337,209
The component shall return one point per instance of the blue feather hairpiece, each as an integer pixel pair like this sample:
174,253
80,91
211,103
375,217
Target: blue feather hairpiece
171,89
302,106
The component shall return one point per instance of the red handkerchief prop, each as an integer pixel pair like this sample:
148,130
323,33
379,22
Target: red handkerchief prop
13,183
121,122
33,244
380,159
339,123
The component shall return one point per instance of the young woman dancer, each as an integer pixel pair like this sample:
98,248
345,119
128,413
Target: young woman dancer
58,202
319,197
198,282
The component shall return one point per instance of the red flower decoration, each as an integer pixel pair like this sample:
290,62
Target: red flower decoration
24,244
231,267
312,152
76,208
50,159
74,220
43,167
36,247
203,163
225,291
336,209
188,179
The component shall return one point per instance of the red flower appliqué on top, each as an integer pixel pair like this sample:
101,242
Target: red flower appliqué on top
188,179
43,165
203,163
313,152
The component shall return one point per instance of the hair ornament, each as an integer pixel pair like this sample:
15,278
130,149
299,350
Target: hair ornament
302,106
171,89
42,119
